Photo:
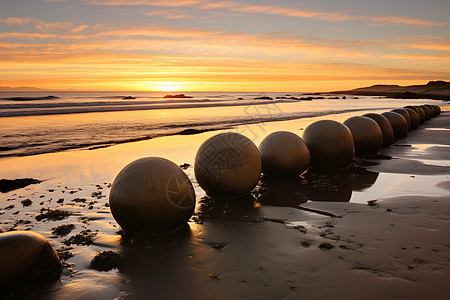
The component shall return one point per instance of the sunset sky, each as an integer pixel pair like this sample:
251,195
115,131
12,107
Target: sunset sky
236,45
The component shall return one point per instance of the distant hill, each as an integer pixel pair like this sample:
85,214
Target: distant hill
439,90
20,89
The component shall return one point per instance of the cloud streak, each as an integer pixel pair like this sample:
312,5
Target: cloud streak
160,44
177,40
337,16
15,21
164,39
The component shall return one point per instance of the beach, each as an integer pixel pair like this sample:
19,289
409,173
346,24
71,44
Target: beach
378,230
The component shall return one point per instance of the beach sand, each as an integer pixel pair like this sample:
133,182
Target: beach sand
382,232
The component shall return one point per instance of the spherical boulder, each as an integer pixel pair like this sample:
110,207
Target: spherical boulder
415,120
284,154
405,115
227,165
330,144
385,126
26,258
419,111
151,193
422,114
367,135
438,109
433,109
428,112
398,123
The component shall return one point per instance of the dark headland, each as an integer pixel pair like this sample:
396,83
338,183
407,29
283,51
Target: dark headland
437,90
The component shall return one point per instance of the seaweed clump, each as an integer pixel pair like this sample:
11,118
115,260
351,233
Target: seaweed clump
106,260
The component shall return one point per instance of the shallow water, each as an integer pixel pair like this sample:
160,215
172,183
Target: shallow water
86,120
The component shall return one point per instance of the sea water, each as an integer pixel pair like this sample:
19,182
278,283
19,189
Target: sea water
42,122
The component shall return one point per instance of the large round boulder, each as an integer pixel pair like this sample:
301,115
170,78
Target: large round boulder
151,193
405,115
284,154
415,120
422,114
227,165
26,258
438,109
367,135
433,109
330,144
418,111
385,126
398,123
428,112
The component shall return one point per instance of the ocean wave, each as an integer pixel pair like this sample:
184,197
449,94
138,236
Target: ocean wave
140,133
91,107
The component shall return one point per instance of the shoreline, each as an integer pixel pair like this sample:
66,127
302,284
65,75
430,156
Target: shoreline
185,129
390,240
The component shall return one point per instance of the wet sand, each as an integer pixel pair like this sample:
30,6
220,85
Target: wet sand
376,231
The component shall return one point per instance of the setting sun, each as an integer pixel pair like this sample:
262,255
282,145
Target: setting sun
169,86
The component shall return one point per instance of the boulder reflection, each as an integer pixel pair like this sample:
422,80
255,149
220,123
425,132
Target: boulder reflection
329,186
242,208
282,192
315,185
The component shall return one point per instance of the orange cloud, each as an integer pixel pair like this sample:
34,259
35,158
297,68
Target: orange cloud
41,25
163,39
24,35
15,21
79,28
274,10
169,14
419,57
440,46
216,43
38,24
404,20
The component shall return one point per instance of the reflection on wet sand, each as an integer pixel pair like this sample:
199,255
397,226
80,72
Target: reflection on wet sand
314,185
139,250
242,208
363,179
336,186
159,261
289,192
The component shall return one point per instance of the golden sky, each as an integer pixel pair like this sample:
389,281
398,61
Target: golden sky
201,45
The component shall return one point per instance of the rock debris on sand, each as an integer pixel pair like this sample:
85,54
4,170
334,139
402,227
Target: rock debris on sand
64,253
85,238
53,215
26,202
63,230
326,246
107,260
